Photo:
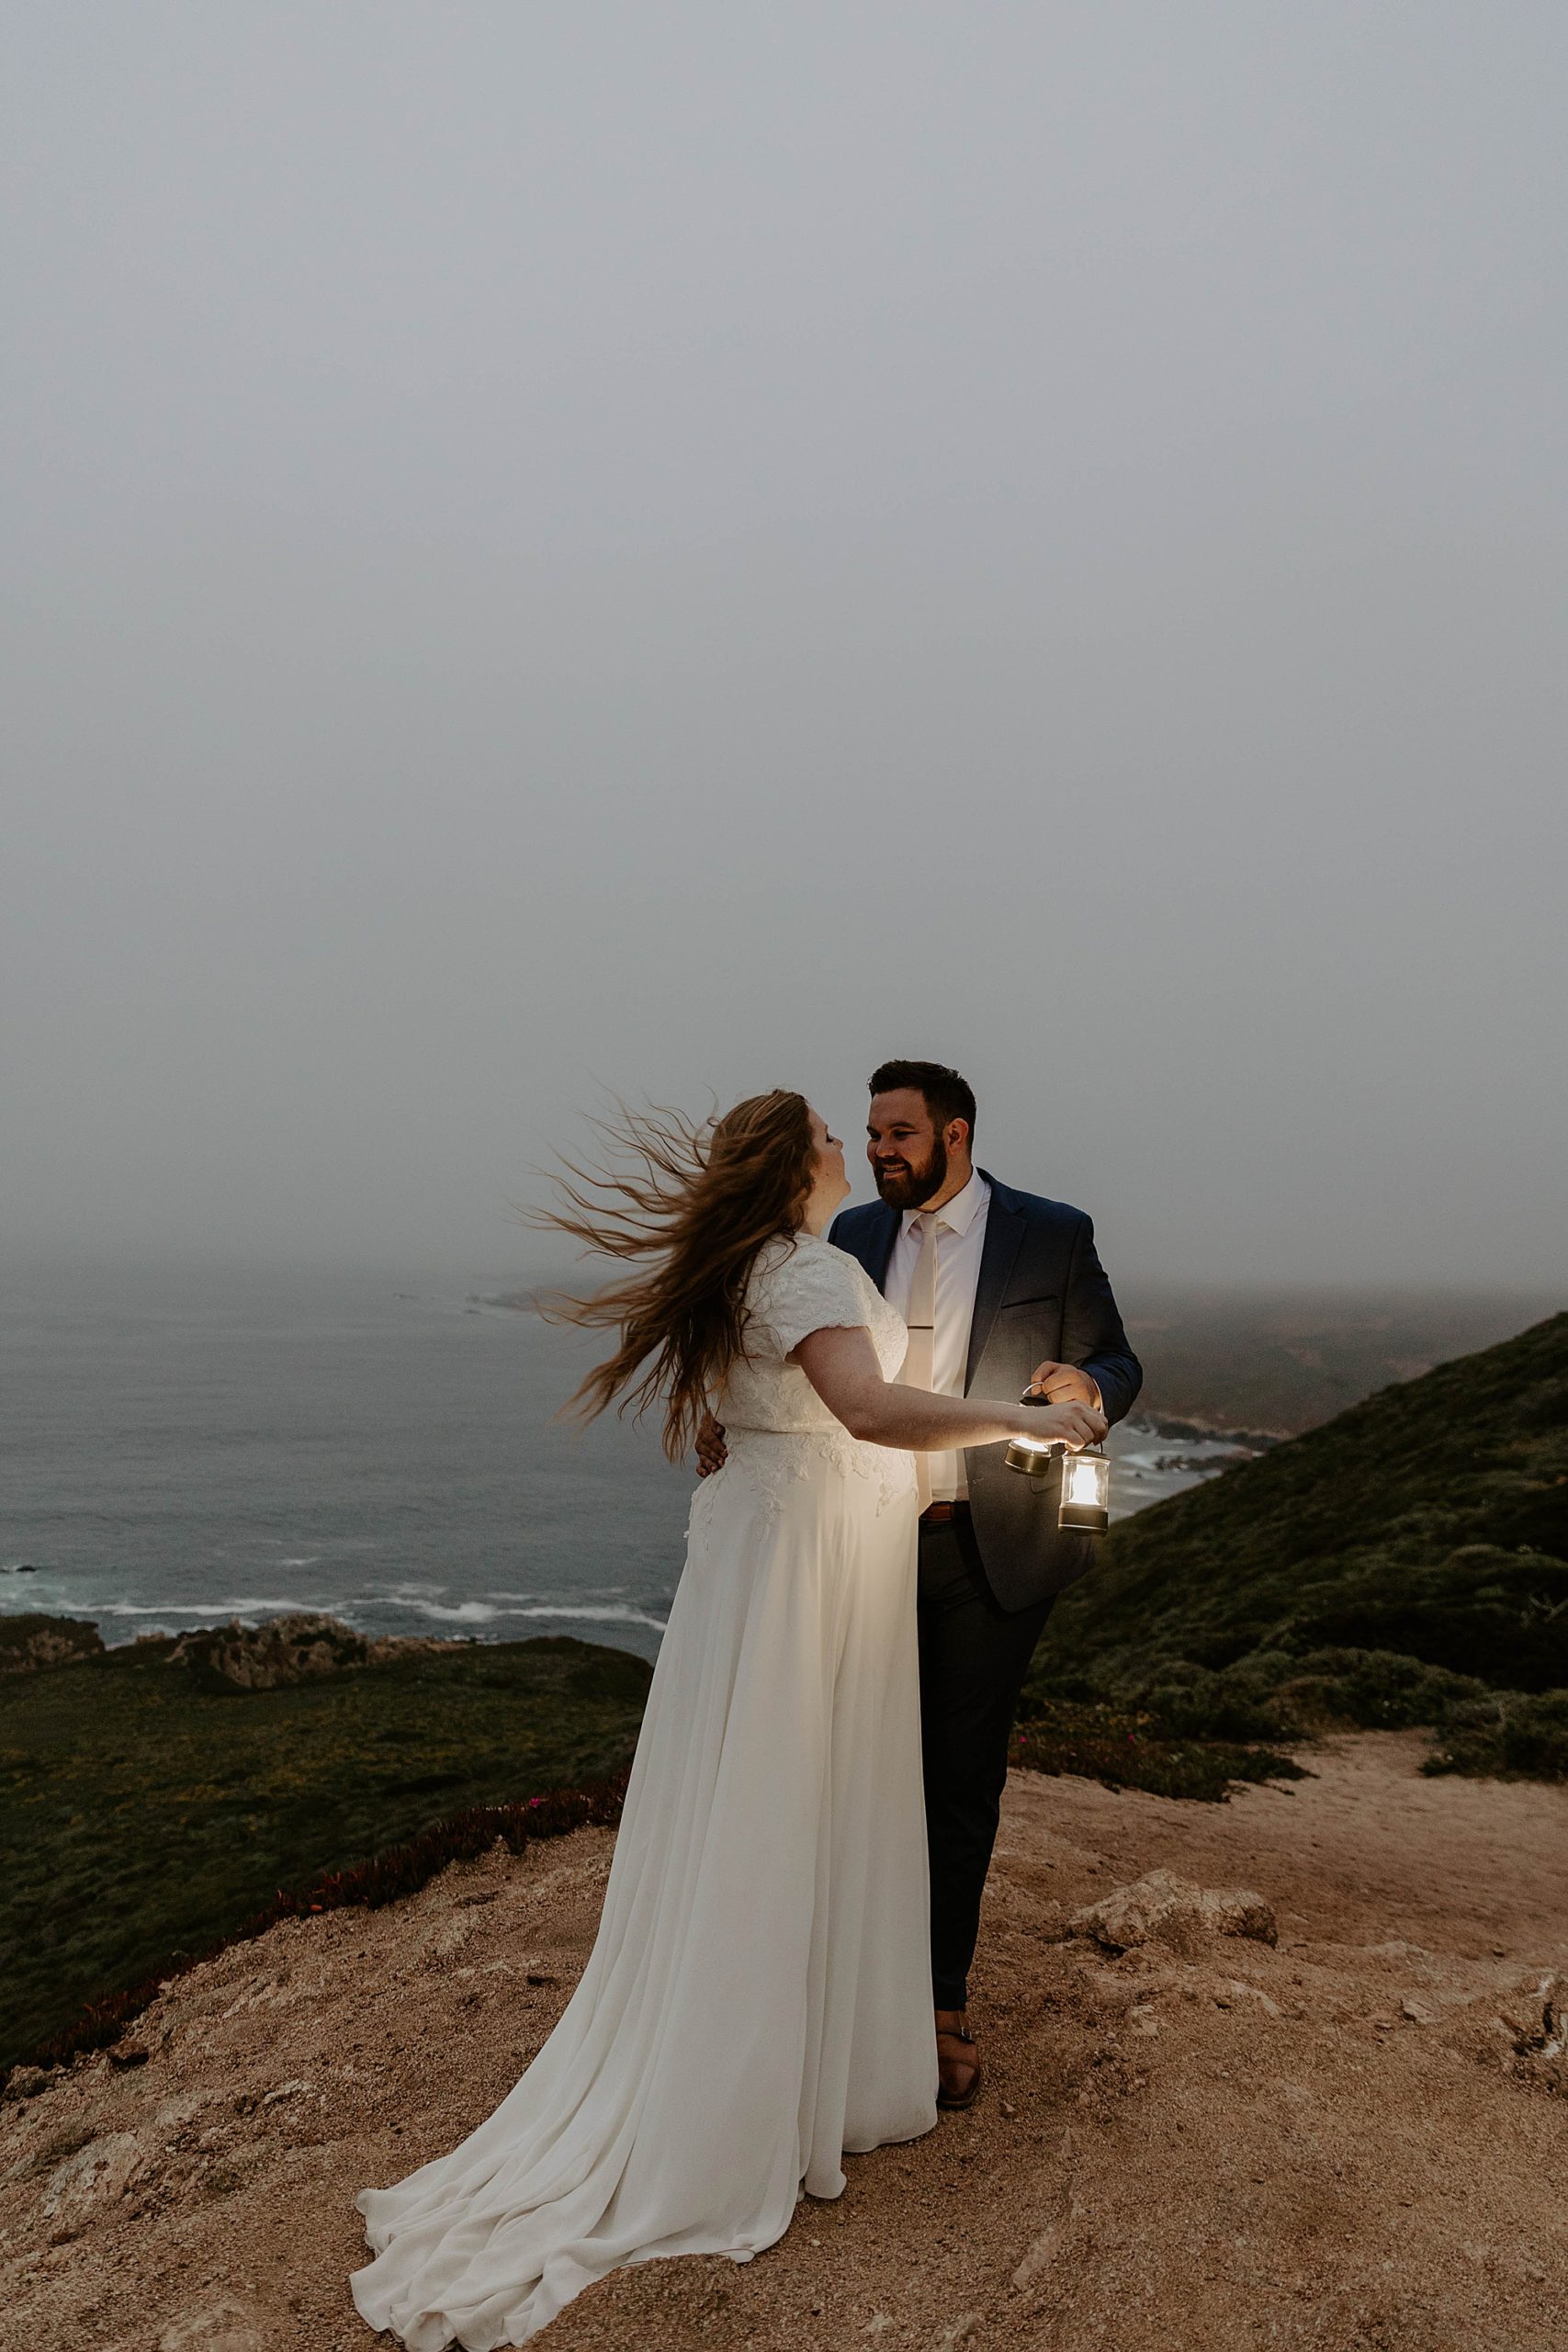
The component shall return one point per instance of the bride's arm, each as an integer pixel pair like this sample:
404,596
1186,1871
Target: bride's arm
842,1365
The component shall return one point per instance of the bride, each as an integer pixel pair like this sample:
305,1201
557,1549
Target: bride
757,2001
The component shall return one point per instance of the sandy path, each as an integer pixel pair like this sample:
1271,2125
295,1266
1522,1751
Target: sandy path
1335,2143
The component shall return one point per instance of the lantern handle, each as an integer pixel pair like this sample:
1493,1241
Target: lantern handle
1059,1444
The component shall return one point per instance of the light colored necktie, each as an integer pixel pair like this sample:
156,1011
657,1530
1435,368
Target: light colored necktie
921,1357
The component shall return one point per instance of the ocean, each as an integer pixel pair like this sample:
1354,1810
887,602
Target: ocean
184,1447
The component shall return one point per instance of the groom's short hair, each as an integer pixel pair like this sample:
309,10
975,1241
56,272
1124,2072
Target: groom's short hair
947,1096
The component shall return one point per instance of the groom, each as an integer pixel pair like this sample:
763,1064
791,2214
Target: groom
1015,1298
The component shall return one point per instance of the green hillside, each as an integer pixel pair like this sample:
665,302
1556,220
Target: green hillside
1404,1562
147,1809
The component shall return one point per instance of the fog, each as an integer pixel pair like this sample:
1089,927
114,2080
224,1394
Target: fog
676,550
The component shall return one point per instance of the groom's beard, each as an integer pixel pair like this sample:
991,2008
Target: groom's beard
906,1186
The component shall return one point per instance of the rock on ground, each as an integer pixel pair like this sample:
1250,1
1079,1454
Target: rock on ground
29,1645
288,1649
1350,2140
1165,1910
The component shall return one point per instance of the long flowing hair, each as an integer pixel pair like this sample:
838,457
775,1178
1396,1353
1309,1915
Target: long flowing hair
694,1200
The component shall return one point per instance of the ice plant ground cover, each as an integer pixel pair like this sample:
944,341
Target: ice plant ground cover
148,1812
387,1878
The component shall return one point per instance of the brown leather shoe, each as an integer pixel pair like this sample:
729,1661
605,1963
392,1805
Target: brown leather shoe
957,2061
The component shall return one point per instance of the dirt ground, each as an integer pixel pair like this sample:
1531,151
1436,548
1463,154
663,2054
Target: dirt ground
1355,2141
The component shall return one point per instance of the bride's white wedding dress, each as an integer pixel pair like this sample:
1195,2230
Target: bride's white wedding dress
758,2000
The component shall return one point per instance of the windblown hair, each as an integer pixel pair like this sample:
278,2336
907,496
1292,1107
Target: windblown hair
696,1200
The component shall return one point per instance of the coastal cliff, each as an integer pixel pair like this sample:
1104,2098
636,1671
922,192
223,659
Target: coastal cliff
1347,2137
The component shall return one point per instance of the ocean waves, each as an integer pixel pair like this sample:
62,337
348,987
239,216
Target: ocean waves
482,1612
263,1448
253,1450
401,1608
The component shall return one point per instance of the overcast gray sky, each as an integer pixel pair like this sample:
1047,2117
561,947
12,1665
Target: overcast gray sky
687,548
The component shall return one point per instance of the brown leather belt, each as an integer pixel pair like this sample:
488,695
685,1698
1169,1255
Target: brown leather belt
943,1514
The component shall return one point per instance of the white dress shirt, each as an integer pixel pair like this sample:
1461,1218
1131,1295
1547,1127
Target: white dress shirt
959,1238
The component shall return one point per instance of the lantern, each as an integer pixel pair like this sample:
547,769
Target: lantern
1086,1492
1086,1478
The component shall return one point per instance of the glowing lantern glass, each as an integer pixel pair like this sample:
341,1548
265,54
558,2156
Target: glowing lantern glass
1086,1492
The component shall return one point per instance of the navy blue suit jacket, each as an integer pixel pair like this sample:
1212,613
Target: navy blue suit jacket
1041,1292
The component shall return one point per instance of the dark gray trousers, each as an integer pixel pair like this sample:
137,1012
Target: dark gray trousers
974,1656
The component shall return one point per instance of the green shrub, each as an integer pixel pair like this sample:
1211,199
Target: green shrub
1505,1735
1234,1702
1376,1689
1498,1616
1130,1750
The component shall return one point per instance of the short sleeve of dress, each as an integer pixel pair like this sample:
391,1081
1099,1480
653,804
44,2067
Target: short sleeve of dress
814,1287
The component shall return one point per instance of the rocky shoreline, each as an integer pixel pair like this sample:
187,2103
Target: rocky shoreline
267,1657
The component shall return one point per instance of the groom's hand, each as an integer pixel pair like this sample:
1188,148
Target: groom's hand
1064,1384
712,1451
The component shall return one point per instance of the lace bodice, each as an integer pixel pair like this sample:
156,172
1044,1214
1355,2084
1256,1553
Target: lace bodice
797,1286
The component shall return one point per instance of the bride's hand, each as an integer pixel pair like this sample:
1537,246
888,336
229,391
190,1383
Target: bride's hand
1074,1426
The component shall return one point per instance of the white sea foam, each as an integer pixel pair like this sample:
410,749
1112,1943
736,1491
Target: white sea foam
594,1616
481,1612
211,1608
462,1612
